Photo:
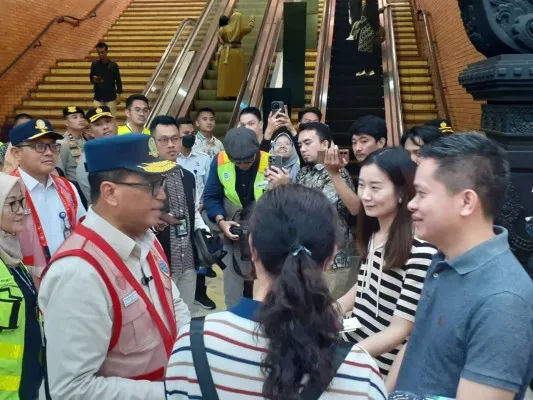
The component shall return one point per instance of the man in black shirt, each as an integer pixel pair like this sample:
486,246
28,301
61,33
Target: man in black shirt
105,76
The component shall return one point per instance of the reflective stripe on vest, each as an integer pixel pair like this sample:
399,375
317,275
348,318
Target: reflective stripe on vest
140,343
13,324
228,178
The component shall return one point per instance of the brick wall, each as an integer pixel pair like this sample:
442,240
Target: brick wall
454,52
26,18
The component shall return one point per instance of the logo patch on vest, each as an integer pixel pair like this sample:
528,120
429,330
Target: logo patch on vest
163,267
130,298
225,176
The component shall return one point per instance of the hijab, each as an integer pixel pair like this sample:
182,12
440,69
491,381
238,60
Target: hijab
234,28
10,252
292,162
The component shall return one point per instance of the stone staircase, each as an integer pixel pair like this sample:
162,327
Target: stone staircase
416,86
136,42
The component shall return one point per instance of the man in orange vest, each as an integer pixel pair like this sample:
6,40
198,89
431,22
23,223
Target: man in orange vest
111,312
53,203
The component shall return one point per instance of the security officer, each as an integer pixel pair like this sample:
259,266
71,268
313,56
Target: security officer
236,181
72,144
102,124
111,311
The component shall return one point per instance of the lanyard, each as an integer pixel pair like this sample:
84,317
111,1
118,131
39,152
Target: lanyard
35,216
167,335
24,277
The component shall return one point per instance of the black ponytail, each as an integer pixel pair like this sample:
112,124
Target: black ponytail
293,234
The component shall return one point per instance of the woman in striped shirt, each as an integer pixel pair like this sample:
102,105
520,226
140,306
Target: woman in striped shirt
394,262
284,343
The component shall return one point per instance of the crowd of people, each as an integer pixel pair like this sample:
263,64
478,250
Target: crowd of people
397,286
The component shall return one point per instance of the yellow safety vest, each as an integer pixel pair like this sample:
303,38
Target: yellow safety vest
125,129
12,324
228,178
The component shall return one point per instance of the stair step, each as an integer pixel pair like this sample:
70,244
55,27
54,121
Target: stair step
126,79
416,88
44,103
79,86
160,23
401,24
115,55
87,64
405,53
139,36
404,29
414,72
160,45
406,46
419,116
413,64
143,28
406,40
72,94
54,112
406,80
407,97
424,107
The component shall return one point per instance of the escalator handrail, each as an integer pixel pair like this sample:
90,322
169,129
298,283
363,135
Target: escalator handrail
156,109
433,59
391,79
167,53
260,61
197,67
325,42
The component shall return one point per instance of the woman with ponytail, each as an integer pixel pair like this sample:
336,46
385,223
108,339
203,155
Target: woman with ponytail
284,343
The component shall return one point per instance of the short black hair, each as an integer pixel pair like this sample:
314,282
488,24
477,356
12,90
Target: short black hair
205,109
313,110
162,120
21,116
252,110
96,179
426,133
370,125
133,97
183,121
322,130
471,161
102,45
223,21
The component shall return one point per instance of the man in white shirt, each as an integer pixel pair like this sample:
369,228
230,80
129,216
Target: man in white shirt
54,204
111,311
206,141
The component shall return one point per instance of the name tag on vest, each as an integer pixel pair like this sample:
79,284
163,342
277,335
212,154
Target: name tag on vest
130,298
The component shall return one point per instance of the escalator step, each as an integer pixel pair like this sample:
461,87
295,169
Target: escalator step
349,114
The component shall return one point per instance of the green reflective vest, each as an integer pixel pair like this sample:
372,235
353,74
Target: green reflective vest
12,327
228,178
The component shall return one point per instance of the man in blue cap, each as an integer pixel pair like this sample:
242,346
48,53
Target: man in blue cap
54,203
111,310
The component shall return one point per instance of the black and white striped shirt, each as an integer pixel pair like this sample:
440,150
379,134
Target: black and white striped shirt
382,295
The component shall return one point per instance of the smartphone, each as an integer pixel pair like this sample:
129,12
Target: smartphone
277,105
169,219
321,157
275,161
344,154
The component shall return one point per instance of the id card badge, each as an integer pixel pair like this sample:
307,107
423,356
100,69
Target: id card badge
181,227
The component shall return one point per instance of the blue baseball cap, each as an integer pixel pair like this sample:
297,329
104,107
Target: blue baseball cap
31,130
134,152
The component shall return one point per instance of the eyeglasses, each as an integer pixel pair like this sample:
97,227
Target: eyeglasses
155,186
173,139
41,147
16,205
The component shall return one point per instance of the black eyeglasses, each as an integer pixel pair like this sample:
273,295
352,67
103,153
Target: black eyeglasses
154,186
41,147
16,205
173,139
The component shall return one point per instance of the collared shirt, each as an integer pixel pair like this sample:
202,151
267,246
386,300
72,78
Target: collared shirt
211,147
71,150
79,320
317,176
125,129
198,164
48,205
474,321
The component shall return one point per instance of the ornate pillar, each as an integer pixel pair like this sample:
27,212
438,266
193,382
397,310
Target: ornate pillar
502,30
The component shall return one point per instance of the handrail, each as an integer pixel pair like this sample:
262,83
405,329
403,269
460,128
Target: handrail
319,97
433,60
167,53
187,88
62,18
178,66
252,86
391,78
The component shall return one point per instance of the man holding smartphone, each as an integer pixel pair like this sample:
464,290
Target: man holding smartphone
106,80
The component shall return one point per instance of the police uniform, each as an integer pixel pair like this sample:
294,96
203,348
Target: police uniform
110,308
71,147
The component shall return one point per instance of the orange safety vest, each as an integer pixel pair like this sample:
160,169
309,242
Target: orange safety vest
140,343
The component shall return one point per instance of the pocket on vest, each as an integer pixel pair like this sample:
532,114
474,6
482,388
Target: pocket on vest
10,306
139,332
